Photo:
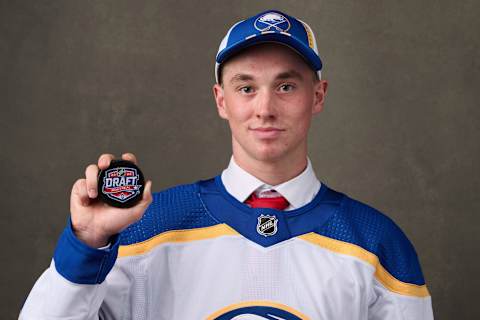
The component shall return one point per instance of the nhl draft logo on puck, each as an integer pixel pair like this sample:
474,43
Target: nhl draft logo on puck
267,225
272,21
121,184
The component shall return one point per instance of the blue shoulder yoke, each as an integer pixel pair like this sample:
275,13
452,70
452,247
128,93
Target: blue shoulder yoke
176,208
330,213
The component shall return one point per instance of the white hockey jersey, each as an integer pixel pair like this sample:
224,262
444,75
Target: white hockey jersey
198,253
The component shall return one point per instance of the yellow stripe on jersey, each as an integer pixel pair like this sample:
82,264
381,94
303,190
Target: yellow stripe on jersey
389,281
176,236
259,303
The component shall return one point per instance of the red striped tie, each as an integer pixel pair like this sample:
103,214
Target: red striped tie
279,203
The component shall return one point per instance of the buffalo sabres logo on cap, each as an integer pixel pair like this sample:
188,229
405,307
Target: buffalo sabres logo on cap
272,21
121,184
267,225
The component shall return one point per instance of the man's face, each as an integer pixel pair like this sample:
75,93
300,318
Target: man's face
269,95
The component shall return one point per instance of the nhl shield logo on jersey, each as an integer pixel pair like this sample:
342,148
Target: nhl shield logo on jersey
272,21
121,184
267,225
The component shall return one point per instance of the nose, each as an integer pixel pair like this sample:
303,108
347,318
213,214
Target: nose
265,107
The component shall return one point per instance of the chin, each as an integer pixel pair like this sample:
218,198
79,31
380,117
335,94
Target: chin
270,154
265,151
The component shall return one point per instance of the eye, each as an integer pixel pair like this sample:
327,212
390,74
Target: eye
246,89
286,87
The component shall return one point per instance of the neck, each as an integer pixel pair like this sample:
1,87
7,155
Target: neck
273,172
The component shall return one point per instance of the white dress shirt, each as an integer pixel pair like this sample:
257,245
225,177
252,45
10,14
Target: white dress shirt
298,191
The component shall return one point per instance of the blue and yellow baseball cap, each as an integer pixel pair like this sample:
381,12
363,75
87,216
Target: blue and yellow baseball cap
270,26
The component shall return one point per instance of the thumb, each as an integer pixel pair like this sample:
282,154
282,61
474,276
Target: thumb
140,207
147,196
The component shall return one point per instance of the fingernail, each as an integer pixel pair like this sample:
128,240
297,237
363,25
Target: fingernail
92,193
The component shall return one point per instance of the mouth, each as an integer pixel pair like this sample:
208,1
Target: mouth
267,132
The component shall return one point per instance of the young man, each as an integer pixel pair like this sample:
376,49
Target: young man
263,240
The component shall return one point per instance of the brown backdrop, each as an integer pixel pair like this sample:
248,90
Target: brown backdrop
400,130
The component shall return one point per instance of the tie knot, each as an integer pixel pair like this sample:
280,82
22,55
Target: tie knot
277,202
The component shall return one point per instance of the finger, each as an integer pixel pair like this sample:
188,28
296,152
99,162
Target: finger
130,157
79,195
104,160
91,175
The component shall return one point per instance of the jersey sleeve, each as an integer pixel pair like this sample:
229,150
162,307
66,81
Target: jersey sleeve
399,289
74,285
395,306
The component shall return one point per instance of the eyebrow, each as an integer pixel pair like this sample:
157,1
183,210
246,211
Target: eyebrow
239,77
290,74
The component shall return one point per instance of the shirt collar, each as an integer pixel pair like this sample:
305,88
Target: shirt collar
298,191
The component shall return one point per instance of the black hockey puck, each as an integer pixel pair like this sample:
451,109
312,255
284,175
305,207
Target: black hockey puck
121,184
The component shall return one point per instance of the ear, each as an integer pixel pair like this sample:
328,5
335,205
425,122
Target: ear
218,93
320,91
